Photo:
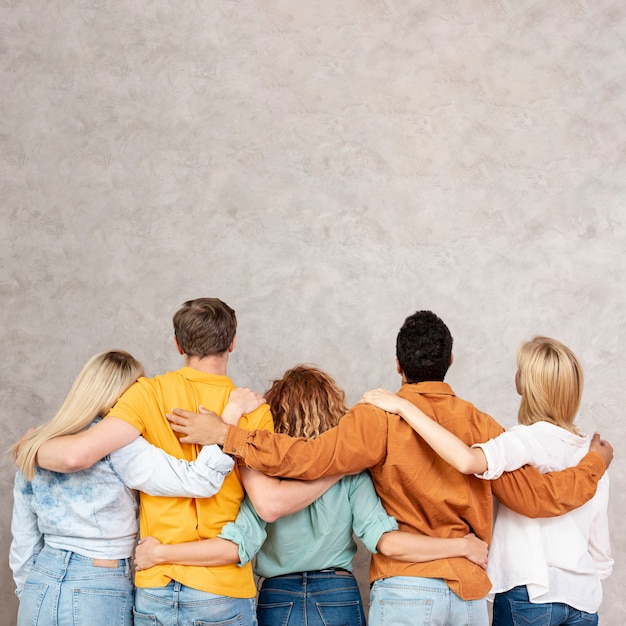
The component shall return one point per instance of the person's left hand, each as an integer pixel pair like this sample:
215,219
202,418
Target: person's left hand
240,402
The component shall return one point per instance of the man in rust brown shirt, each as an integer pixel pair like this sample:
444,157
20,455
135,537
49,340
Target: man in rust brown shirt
423,492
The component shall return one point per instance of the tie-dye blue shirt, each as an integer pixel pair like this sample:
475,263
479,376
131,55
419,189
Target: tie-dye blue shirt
94,512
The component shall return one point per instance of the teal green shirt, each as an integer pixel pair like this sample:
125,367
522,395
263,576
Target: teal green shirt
318,537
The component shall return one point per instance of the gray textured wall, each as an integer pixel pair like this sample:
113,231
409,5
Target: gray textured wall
326,168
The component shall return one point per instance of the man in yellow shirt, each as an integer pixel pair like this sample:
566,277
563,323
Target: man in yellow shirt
175,594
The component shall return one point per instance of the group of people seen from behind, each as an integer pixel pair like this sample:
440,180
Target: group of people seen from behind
169,499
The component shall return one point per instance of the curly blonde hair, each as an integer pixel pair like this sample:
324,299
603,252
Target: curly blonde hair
551,383
305,402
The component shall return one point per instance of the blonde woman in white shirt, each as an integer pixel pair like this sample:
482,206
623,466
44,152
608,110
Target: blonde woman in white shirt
544,571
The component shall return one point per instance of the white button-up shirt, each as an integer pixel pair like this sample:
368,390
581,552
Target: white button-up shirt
559,559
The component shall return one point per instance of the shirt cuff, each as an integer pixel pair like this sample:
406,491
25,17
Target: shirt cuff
213,457
235,441
595,463
377,528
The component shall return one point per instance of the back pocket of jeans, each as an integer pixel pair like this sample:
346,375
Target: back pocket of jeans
103,607
275,614
30,603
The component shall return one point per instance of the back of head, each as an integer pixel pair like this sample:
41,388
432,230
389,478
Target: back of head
97,387
550,381
205,327
305,402
424,347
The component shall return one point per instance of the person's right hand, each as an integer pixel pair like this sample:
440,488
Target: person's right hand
204,428
383,399
602,447
477,550
146,553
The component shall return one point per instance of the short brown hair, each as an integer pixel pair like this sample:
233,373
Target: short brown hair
305,402
204,326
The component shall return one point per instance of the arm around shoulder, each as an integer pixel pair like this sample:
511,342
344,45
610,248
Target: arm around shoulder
533,494
72,453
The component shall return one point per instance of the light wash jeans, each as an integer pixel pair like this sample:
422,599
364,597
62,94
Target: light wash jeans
513,608
414,601
322,598
178,605
65,589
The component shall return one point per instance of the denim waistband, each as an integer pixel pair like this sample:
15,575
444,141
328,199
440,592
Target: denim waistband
333,571
67,556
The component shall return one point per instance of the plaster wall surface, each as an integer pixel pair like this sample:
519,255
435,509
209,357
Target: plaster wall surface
326,168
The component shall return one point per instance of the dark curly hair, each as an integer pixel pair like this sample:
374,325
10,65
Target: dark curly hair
424,347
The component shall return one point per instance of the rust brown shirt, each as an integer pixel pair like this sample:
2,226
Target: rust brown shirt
423,492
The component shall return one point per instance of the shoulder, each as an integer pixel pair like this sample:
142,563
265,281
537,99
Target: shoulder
259,419
366,412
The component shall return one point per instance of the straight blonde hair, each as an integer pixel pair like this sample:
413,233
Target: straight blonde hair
100,383
551,383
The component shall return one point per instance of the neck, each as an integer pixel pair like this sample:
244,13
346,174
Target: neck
212,364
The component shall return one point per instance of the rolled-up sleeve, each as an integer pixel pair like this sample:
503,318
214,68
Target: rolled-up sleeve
247,531
369,518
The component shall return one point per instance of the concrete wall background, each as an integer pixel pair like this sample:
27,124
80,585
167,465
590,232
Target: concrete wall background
325,168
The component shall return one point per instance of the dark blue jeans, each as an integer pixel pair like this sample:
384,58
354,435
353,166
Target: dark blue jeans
324,598
513,608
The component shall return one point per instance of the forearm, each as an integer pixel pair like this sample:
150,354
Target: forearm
291,496
274,498
147,468
414,548
72,453
528,492
205,553
449,447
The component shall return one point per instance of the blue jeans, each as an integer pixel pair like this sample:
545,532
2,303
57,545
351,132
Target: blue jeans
67,588
513,608
416,601
323,598
178,605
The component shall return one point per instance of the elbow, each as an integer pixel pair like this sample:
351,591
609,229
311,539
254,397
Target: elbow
388,546
268,512
466,467
75,462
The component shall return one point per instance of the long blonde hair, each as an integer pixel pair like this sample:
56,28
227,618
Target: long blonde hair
305,402
100,383
551,383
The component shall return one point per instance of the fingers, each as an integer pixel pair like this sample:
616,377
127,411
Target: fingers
174,418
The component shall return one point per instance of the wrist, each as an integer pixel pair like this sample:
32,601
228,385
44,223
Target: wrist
463,546
221,434
232,414
159,554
